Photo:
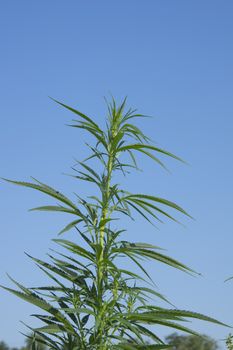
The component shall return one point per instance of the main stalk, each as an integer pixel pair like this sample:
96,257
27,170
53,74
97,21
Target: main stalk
101,318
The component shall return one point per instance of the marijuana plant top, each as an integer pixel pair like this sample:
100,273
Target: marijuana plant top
93,303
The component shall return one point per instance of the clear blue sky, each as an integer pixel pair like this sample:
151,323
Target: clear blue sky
173,58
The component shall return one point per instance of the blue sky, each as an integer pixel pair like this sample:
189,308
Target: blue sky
173,59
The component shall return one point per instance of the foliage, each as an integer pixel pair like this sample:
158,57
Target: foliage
229,342
34,340
31,342
3,346
92,302
191,342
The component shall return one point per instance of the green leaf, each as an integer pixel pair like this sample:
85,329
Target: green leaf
70,226
42,304
189,314
75,248
56,208
158,200
139,146
83,116
45,189
51,329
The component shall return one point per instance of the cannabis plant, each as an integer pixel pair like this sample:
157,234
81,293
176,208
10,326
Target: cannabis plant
93,302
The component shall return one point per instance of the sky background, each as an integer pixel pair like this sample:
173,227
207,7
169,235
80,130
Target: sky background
173,59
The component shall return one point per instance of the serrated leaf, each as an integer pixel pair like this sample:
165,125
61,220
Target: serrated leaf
45,189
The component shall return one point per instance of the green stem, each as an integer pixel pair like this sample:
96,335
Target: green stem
100,265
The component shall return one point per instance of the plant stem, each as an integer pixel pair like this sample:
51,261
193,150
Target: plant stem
100,259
